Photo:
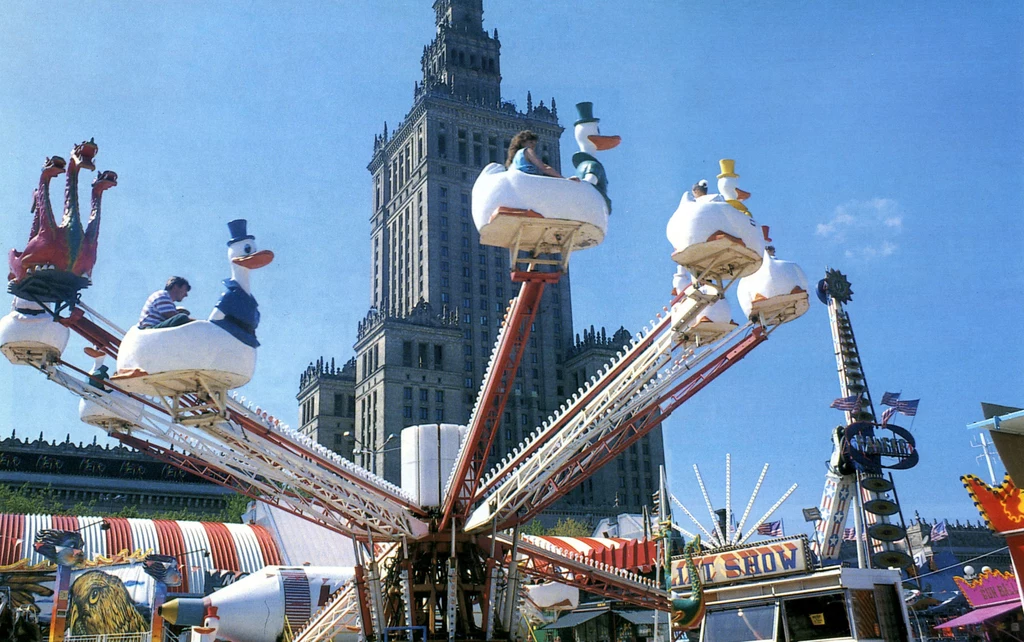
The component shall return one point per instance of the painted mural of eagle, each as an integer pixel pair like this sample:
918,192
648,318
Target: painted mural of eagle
101,605
24,581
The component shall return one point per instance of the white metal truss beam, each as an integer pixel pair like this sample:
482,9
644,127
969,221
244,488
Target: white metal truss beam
685,308
284,469
646,377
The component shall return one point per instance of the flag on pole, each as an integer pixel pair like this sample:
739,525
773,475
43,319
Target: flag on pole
908,407
849,535
890,398
848,404
939,531
920,560
887,415
771,529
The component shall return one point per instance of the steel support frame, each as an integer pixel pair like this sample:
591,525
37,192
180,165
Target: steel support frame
619,430
238,414
348,507
497,388
692,302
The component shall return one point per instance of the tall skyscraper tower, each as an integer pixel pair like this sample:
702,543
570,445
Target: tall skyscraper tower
438,297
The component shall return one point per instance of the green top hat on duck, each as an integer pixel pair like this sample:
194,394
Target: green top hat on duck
589,138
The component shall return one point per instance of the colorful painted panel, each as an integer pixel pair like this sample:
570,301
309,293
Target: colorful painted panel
199,547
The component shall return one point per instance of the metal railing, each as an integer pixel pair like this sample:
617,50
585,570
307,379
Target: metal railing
145,636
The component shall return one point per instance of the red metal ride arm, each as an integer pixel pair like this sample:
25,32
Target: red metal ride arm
91,332
496,390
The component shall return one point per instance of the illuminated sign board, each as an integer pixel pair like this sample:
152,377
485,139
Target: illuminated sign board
871,452
753,562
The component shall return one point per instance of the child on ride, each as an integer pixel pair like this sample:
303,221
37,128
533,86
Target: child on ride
522,156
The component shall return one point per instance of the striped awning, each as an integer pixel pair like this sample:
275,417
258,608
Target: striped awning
636,555
199,546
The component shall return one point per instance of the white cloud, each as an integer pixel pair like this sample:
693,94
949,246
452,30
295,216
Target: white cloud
866,228
886,248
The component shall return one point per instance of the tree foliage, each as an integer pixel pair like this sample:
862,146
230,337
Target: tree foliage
565,527
45,501
569,527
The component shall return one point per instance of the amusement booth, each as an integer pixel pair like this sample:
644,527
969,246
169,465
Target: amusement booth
768,591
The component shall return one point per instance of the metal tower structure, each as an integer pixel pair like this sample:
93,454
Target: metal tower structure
846,482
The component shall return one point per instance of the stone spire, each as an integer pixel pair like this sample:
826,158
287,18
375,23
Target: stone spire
463,58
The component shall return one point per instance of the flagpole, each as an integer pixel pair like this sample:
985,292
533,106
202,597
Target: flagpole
949,540
858,524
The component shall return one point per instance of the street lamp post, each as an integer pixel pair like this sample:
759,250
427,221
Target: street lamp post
361,449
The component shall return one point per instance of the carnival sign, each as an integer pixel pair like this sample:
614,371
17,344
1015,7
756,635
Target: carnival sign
872,453
989,587
754,562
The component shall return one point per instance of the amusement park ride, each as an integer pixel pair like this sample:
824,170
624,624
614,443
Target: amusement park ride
452,570
855,469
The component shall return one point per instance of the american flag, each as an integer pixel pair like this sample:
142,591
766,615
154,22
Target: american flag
890,398
849,535
908,407
939,531
771,529
887,415
848,404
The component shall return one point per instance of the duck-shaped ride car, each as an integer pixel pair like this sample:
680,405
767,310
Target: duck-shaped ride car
514,209
217,353
710,236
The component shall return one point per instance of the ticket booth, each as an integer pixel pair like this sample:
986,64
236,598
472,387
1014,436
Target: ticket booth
834,604
767,592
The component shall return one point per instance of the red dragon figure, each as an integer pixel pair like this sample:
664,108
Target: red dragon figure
58,259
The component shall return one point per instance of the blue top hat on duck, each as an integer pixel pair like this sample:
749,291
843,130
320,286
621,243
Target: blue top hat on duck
237,311
590,140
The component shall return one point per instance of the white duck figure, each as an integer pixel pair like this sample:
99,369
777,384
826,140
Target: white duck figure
712,237
30,335
777,293
507,203
727,182
220,351
589,138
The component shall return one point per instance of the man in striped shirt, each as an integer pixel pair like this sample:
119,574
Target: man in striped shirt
160,311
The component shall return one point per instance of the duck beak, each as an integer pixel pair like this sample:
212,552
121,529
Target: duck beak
253,261
604,142
741,195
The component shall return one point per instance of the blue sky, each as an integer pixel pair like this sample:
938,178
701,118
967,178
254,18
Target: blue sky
882,139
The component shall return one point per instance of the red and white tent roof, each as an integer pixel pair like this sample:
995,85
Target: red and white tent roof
199,546
636,555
